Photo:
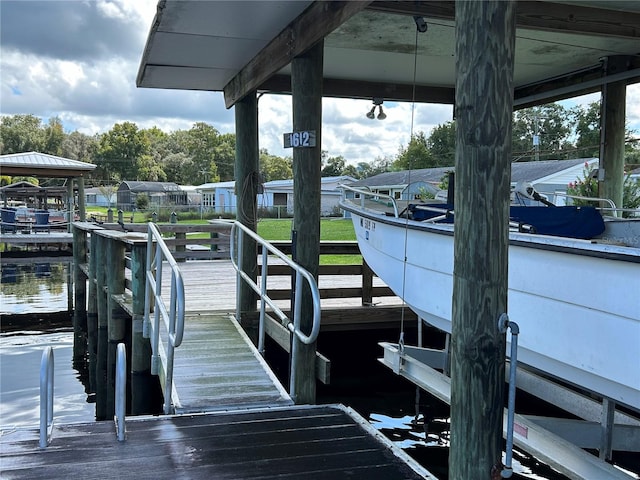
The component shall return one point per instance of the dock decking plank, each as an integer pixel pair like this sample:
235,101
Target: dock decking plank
291,442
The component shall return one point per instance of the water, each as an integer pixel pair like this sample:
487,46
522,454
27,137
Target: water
30,295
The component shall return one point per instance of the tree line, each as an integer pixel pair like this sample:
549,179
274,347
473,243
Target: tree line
202,154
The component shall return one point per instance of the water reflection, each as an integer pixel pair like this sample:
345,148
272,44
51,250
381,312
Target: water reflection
34,287
20,357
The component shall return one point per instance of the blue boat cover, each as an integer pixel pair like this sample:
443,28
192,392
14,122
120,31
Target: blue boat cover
571,221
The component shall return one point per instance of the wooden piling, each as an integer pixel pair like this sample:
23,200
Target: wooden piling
103,336
80,298
116,321
141,378
92,315
485,44
247,179
612,134
306,86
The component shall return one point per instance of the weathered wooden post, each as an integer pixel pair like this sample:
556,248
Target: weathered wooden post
80,298
117,324
367,284
612,133
103,335
306,87
485,39
141,378
82,211
247,178
92,313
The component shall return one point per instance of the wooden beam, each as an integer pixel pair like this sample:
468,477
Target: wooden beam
340,88
485,51
315,23
536,15
282,336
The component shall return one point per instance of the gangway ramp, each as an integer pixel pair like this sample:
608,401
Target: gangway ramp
217,367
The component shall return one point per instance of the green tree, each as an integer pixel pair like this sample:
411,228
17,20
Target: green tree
442,144
21,133
201,142
142,201
587,129
176,166
120,151
550,124
225,156
78,146
416,155
53,137
334,166
273,167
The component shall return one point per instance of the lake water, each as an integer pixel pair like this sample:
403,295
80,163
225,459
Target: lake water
390,406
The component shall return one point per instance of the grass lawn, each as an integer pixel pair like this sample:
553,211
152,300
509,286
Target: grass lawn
335,229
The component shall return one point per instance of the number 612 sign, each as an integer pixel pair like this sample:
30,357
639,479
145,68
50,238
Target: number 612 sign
302,139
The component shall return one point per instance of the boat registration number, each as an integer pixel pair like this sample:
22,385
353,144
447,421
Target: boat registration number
368,224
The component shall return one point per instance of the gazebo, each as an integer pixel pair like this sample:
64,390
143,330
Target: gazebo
42,165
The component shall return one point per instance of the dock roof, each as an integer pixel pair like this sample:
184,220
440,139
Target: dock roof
369,48
43,165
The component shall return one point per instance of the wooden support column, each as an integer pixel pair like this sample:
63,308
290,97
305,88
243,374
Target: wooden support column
80,299
82,211
485,39
117,323
141,379
92,314
612,132
247,178
103,336
70,203
306,86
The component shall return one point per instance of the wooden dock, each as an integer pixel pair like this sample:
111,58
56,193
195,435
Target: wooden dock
233,420
323,442
218,368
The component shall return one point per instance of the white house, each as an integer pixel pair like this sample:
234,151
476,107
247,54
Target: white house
275,195
100,196
549,177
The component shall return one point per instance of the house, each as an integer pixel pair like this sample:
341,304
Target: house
276,195
549,177
159,193
100,196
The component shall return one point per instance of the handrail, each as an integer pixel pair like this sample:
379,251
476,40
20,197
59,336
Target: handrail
46,397
373,194
238,231
121,391
173,316
612,205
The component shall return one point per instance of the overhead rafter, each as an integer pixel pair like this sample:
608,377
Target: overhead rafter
315,23
556,17
339,88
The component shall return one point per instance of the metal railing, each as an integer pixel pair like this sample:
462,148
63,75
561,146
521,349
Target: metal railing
172,315
374,195
121,391
238,233
46,397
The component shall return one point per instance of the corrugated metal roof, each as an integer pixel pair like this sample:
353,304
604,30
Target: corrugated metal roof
34,162
526,171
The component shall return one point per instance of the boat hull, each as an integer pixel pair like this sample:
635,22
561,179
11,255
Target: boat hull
577,304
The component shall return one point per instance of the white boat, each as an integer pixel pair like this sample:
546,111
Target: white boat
576,301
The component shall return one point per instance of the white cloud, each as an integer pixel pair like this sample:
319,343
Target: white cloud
84,71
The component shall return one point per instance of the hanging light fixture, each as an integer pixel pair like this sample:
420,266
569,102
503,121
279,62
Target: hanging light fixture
377,102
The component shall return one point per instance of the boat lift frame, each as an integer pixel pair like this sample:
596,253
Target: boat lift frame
558,442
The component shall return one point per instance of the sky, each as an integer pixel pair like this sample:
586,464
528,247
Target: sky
78,60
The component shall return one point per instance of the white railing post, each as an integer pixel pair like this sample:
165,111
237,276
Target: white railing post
46,396
121,391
